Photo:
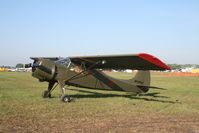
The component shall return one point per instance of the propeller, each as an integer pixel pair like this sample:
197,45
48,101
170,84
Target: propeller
28,65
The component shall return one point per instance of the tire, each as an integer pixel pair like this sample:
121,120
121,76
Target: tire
65,98
46,94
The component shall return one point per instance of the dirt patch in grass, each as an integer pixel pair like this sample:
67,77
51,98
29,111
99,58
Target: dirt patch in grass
180,74
101,124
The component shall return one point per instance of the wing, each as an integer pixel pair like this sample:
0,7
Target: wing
48,58
140,61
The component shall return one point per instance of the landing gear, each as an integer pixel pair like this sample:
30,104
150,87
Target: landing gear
46,94
65,98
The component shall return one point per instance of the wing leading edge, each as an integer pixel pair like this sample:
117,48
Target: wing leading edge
141,61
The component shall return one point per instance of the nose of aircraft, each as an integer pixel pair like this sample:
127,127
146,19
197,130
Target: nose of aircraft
34,65
43,69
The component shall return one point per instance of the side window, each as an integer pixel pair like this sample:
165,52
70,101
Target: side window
64,62
75,68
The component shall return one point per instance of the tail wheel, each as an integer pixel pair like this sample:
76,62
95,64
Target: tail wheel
46,94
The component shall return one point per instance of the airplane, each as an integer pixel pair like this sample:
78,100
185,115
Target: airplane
87,72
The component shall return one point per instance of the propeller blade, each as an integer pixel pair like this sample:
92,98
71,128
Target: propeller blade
28,65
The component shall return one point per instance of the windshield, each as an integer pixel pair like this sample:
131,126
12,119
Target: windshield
64,62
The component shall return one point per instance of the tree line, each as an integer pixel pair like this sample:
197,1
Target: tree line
181,66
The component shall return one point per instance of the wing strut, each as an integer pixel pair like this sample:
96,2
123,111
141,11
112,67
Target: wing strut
87,69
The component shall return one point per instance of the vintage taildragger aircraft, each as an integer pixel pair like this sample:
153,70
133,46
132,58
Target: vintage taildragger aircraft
87,72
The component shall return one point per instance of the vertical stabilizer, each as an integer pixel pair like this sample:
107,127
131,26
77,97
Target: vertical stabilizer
142,80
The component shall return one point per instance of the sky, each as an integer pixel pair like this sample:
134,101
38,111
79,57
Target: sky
167,29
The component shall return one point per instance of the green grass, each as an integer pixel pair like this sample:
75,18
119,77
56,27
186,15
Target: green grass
23,110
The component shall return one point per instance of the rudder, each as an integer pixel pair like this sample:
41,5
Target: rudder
142,79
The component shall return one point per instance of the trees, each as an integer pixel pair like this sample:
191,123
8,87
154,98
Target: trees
19,65
181,66
175,66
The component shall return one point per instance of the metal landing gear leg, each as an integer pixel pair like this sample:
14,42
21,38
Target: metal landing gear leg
64,97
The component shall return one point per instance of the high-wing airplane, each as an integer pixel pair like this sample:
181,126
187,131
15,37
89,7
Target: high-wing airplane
87,72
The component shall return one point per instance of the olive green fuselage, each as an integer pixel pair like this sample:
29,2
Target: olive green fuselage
49,71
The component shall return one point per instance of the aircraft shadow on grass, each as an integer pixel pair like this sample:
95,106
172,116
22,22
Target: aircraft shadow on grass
145,97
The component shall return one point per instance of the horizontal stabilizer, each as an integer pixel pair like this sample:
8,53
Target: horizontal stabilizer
152,87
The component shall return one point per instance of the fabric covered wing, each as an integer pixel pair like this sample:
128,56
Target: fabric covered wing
48,58
140,61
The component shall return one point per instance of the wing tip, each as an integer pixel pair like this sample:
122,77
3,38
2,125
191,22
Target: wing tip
154,60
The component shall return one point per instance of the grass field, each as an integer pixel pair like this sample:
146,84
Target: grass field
173,110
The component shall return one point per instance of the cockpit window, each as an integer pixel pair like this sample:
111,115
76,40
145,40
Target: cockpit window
64,62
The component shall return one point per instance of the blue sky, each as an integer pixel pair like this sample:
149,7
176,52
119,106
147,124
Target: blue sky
168,29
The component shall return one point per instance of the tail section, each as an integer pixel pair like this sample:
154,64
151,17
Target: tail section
142,80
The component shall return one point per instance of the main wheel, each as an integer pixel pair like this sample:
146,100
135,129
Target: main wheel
46,94
65,98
